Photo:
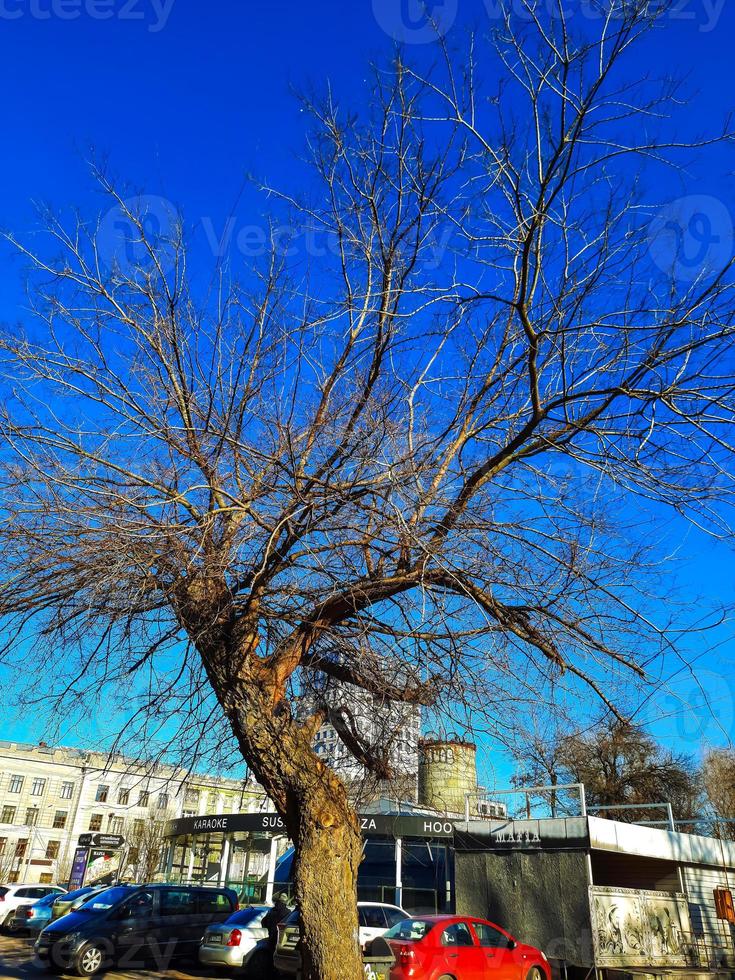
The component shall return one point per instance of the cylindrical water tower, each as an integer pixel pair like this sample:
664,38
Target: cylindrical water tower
447,774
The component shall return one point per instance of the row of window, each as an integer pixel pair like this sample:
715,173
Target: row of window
9,813
115,824
38,787
21,846
123,797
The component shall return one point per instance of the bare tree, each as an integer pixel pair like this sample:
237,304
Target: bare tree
399,470
620,763
145,847
718,776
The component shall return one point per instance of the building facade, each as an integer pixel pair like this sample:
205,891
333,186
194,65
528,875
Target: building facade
51,795
379,723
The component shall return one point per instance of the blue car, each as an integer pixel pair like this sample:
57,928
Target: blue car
33,918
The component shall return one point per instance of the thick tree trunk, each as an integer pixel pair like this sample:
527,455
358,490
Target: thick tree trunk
322,825
327,860
311,800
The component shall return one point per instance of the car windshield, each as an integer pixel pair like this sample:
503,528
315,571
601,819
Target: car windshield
105,900
4,891
245,916
412,929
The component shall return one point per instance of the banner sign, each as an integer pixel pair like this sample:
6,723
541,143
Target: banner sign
78,868
371,824
102,863
111,842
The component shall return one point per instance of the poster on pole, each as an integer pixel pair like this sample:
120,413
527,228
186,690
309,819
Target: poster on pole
103,863
78,868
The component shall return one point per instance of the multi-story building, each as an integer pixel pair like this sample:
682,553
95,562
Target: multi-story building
379,723
49,796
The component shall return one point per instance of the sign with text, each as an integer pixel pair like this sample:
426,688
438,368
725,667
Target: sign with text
108,841
371,824
78,868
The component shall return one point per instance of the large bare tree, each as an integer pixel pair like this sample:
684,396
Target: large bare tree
402,464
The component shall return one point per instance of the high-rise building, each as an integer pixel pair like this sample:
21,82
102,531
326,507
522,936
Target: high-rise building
385,726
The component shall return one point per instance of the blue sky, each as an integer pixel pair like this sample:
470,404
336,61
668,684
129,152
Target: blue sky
187,99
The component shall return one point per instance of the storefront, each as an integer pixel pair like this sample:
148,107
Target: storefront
407,858
594,894
597,894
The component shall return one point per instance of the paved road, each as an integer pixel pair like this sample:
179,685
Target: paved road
16,963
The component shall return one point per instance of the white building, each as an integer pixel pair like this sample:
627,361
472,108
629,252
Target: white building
379,724
49,796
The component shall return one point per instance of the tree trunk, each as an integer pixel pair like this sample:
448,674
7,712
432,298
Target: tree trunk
326,866
322,825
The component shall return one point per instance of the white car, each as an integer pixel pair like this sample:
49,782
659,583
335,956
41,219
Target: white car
11,896
240,942
375,919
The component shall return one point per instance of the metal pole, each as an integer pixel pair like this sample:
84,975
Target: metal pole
399,872
272,858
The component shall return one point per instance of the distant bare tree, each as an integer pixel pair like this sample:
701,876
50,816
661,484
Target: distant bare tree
145,846
620,763
399,467
718,776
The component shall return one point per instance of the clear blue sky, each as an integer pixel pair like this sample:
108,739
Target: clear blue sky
185,98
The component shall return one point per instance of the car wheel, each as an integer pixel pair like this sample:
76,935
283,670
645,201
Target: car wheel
89,960
534,974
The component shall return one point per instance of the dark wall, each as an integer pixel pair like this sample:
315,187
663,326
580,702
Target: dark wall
541,897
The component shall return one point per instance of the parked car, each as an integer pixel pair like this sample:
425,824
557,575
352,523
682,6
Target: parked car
11,896
32,918
130,924
437,947
72,900
374,918
239,942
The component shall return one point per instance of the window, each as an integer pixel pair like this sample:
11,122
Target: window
16,784
394,916
163,801
60,820
13,876
46,878
458,934
38,787
102,793
139,907
123,797
67,791
372,917
489,936
52,852
144,798
412,929
3,845
32,816
115,824
8,814
138,827
20,847
175,901
95,821
211,902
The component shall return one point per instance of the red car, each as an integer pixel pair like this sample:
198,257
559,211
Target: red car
451,947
